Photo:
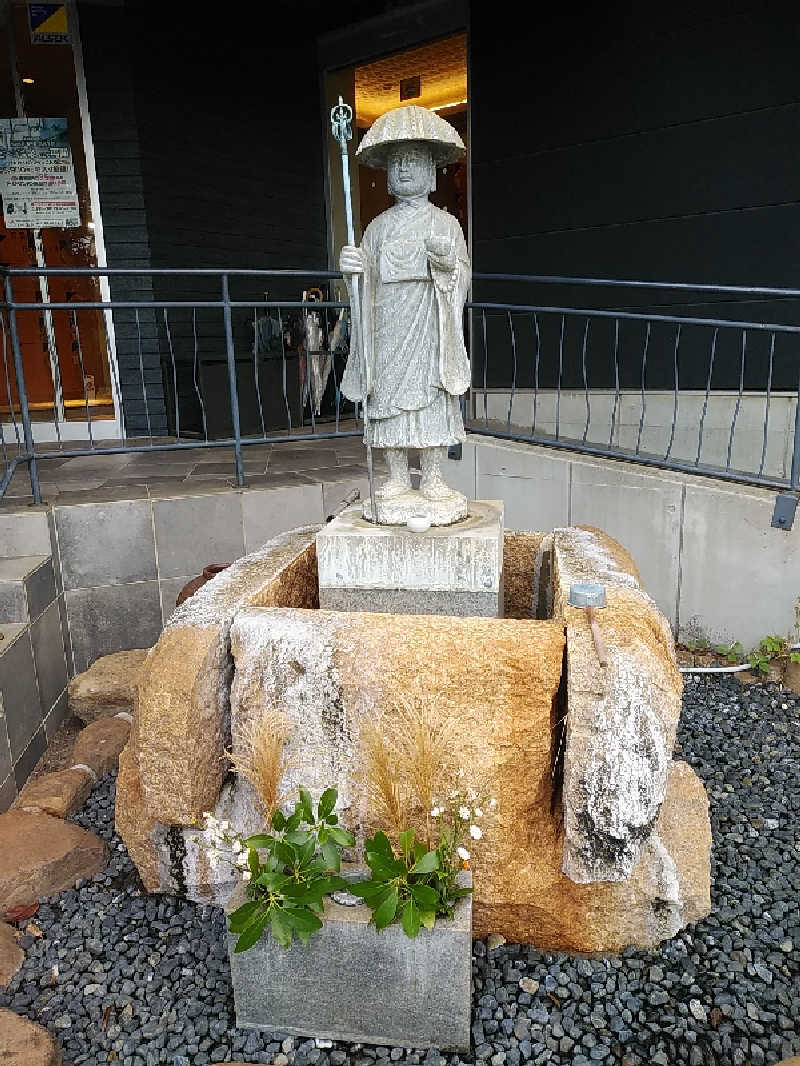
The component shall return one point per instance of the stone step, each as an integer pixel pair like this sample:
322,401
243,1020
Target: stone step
24,1043
27,587
106,688
42,856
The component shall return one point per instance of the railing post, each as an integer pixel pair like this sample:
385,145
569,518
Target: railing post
795,475
23,396
237,435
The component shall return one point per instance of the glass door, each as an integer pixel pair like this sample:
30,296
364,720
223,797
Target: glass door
66,354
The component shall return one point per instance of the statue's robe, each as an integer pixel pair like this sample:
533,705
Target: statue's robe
411,330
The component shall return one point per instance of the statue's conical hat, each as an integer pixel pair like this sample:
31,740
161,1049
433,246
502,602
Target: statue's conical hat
410,123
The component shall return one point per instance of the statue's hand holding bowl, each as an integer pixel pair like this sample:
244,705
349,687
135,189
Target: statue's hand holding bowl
351,260
441,252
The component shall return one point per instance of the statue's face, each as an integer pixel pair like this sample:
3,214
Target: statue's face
411,170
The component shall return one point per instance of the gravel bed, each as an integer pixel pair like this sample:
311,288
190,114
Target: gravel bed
143,980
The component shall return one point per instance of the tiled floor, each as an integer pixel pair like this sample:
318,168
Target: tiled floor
100,477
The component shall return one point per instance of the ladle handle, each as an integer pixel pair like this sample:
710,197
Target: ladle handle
597,637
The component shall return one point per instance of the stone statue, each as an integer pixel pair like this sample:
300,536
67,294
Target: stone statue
413,272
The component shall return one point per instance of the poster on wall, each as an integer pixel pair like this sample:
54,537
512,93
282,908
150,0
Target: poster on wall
48,23
37,178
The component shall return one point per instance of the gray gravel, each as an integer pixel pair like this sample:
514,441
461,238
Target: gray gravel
143,981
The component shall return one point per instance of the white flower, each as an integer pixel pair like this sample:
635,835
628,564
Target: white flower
460,773
475,832
463,853
241,861
236,847
226,826
246,875
463,814
478,812
492,803
436,812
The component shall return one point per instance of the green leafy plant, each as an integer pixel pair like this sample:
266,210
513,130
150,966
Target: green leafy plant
399,886
288,871
733,653
772,649
419,884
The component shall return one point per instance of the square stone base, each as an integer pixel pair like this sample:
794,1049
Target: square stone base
453,570
352,983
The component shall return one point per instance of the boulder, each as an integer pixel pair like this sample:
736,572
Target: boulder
43,855
327,670
98,746
60,793
166,777
621,718
24,1043
11,954
107,686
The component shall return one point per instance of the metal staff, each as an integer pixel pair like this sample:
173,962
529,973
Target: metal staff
342,129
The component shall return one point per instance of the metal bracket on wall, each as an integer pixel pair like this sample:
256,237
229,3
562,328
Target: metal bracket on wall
455,451
785,507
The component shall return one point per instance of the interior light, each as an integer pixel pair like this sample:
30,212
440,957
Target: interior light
90,225
453,103
27,81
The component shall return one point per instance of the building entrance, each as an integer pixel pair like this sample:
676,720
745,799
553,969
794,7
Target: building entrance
48,221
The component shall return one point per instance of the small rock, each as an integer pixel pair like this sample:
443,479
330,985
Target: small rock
43,855
527,984
99,744
60,793
698,1011
787,946
11,954
495,940
107,687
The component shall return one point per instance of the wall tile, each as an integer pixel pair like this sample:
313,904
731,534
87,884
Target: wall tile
56,716
193,531
106,543
5,748
49,657
40,589
8,793
169,587
267,512
112,618
24,532
20,693
25,764
62,614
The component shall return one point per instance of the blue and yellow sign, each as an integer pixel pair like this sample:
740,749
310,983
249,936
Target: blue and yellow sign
48,23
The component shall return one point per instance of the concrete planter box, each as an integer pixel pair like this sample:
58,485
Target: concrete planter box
353,983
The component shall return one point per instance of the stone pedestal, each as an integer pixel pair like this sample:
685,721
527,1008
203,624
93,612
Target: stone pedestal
352,983
454,570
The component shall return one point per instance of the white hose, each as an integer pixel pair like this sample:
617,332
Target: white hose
725,669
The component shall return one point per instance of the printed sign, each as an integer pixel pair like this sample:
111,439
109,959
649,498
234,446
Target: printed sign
48,23
37,178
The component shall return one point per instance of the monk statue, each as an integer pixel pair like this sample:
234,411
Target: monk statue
413,272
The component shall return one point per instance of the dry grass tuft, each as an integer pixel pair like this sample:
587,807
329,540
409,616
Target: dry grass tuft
408,762
261,759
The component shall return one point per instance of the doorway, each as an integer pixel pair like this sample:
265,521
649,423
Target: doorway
67,354
433,75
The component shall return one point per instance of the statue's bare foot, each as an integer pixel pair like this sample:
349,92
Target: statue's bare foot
394,487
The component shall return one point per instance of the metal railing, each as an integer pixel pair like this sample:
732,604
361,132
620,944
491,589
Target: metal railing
156,396
701,379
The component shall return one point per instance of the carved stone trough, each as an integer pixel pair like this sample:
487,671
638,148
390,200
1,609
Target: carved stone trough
601,839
